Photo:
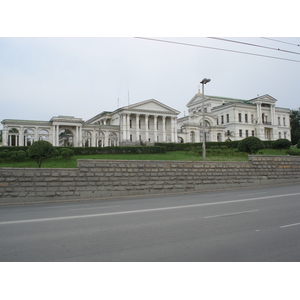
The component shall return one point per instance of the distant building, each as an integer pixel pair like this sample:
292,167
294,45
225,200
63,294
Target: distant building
147,122
151,121
233,119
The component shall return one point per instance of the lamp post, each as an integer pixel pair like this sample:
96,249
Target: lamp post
204,81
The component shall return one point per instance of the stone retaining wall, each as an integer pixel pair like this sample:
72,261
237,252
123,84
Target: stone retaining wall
109,178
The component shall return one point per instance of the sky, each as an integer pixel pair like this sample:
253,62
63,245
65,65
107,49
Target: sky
77,73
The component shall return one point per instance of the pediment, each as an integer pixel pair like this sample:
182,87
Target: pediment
264,98
151,105
195,100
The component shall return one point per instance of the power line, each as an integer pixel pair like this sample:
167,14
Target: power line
214,48
280,41
255,45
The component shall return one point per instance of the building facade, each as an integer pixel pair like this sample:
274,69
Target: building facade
147,122
233,119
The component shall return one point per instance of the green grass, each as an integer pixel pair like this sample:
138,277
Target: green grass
176,155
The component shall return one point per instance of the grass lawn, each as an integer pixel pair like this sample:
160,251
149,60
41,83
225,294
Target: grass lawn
176,155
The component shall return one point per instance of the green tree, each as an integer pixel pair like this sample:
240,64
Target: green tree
295,125
40,151
250,145
0,136
281,144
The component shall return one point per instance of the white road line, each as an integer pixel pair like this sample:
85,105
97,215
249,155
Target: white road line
147,210
231,214
95,207
290,225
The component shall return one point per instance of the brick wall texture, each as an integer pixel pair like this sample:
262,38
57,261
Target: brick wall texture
96,179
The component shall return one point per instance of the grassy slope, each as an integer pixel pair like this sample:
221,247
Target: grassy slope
176,155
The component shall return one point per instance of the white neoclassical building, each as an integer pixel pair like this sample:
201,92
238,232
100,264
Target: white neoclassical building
233,119
148,121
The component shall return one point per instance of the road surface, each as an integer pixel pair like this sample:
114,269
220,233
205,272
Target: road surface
243,225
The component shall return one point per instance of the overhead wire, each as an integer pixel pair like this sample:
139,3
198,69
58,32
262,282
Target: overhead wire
215,48
280,41
255,45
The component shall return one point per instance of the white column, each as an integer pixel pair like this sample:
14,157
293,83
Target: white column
258,105
164,128
128,127
57,135
94,138
53,135
146,129
273,114
173,128
137,119
80,136
36,134
22,136
106,139
155,129
4,136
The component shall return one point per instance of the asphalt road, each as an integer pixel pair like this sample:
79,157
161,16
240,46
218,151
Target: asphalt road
230,226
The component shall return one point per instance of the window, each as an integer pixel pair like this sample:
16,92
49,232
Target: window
252,118
278,120
139,124
130,123
218,121
252,132
227,117
222,119
283,121
284,135
240,117
247,134
246,118
279,135
241,132
148,124
131,138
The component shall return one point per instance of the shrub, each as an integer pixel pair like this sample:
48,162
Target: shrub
281,144
293,151
298,144
21,154
40,151
250,145
4,155
66,153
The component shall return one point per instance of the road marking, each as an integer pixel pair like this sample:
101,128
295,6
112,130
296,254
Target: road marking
232,214
146,210
95,207
290,225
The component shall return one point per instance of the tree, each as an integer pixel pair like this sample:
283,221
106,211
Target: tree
0,136
250,145
40,151
295,125
281,144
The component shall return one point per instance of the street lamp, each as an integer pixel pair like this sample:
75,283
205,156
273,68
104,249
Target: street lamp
204,81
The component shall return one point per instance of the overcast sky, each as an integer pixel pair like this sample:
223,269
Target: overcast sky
42,77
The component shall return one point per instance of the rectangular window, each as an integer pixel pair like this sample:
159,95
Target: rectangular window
252,132
283,121
246,118
227,116
284,135
247,134
131,138
148,124
252,118
218,121
241,132
278,120
130,123
139,124
279,135
222,119
240,117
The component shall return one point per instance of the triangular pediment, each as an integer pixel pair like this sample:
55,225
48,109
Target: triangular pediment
151,105
196,99
264,98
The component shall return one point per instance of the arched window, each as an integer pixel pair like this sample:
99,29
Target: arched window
28,137
13,137
113,139
86,139
66,138
43,135
100,139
